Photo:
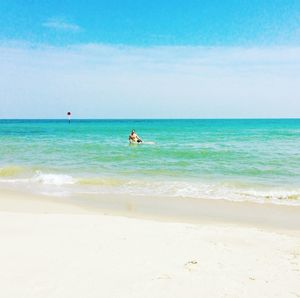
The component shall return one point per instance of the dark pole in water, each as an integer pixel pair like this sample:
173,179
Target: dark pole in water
69,116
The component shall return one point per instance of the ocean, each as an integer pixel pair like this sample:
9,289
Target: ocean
241,160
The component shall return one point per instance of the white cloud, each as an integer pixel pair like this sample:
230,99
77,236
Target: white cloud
95,80
62,25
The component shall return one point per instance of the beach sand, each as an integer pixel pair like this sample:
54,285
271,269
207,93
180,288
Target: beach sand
53,248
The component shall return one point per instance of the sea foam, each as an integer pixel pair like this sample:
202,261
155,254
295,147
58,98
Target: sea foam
53,179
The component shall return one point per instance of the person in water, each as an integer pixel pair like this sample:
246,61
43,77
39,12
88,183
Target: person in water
134,138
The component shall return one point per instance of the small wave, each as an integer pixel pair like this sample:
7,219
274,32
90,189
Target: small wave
212,191
149,143
235,191
54,179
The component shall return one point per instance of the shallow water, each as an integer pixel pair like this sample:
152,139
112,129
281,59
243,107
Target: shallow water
256,160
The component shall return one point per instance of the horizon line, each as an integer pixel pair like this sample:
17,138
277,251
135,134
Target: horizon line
164,118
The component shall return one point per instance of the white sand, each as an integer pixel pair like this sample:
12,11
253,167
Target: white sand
56,250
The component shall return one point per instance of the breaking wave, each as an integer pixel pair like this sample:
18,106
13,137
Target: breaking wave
58,183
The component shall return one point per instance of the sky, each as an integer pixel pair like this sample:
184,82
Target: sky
150,59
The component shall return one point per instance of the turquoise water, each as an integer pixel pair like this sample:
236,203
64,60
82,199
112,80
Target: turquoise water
216,159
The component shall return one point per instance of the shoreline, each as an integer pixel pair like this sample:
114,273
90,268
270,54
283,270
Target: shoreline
185,210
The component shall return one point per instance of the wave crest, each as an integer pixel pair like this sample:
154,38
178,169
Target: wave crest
54,179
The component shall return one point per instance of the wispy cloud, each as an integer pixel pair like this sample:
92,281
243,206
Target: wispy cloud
62,25
97,80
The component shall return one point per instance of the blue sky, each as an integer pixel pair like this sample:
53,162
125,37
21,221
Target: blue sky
143,23
133,59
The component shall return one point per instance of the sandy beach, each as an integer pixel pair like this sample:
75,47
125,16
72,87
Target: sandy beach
149,149
58,249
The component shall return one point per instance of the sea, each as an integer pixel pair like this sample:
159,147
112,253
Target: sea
233,159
